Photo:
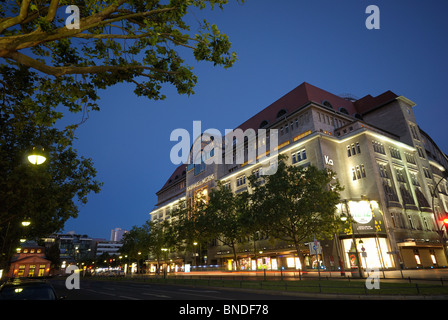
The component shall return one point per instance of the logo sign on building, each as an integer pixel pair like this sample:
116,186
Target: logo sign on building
328,160
366,215
361,211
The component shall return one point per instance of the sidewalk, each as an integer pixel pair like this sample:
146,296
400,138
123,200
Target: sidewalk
423,274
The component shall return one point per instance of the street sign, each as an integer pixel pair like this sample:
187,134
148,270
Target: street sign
315,247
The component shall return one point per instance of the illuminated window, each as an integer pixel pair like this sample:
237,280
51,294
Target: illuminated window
395,153
400,175
409,157
417,259
359,172
299,156
383,170
258,172
353,149
240,181
414,179
378,147
31,270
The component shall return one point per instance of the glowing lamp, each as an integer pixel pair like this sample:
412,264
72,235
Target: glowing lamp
37,156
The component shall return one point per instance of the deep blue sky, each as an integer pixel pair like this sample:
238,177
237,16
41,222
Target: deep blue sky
280,44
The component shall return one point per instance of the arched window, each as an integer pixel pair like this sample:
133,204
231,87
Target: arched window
263,123
281,113
357,116
343,110
327,104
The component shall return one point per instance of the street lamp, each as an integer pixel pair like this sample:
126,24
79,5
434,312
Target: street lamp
26,222
347,216
37,155
166,263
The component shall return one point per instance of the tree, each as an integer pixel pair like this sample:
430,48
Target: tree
138,42
299,203
48,194
136,243
188,227
48,68
160,240
253,220
223,217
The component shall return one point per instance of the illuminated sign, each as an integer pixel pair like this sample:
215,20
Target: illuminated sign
328,160
361,211
366,215
201,182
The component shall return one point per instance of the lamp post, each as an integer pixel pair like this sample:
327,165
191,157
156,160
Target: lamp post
349,217
195,254
166,263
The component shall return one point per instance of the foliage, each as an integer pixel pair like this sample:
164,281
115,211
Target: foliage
48,69
223,217
299,203
142,43
48,194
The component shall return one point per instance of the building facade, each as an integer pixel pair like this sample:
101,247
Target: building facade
393,173
111,248
117,234
29,262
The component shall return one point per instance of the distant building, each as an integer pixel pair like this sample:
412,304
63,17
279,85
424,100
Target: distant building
29,261
109,247
117,234
73,247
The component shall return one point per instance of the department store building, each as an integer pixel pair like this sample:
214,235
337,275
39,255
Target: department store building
391,170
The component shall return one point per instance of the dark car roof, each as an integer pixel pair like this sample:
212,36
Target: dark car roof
27,283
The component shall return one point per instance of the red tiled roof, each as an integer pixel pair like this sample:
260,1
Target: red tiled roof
298,98
368,103
295,99
178,172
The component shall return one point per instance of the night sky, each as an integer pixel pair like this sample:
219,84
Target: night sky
280,44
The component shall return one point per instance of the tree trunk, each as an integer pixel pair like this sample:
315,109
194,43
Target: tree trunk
234,255
300,256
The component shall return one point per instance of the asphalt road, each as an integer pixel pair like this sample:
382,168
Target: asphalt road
122,290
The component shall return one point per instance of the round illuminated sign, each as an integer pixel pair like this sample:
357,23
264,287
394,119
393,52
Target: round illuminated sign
361,211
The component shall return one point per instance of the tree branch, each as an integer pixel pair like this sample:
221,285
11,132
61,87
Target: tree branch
60,71
18,19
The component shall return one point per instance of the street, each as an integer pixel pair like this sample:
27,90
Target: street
122,290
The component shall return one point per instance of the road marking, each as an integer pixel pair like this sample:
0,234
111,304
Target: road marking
200,291
156,295
206,296
106,293
130,298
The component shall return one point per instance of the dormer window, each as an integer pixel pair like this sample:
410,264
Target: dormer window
343,110
263,124
281,113
327,104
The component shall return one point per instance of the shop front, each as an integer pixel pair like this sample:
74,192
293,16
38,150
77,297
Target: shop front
421,255
364,240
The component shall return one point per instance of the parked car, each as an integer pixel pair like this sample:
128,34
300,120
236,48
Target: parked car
19,289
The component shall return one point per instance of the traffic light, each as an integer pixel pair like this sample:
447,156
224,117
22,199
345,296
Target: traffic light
445,222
